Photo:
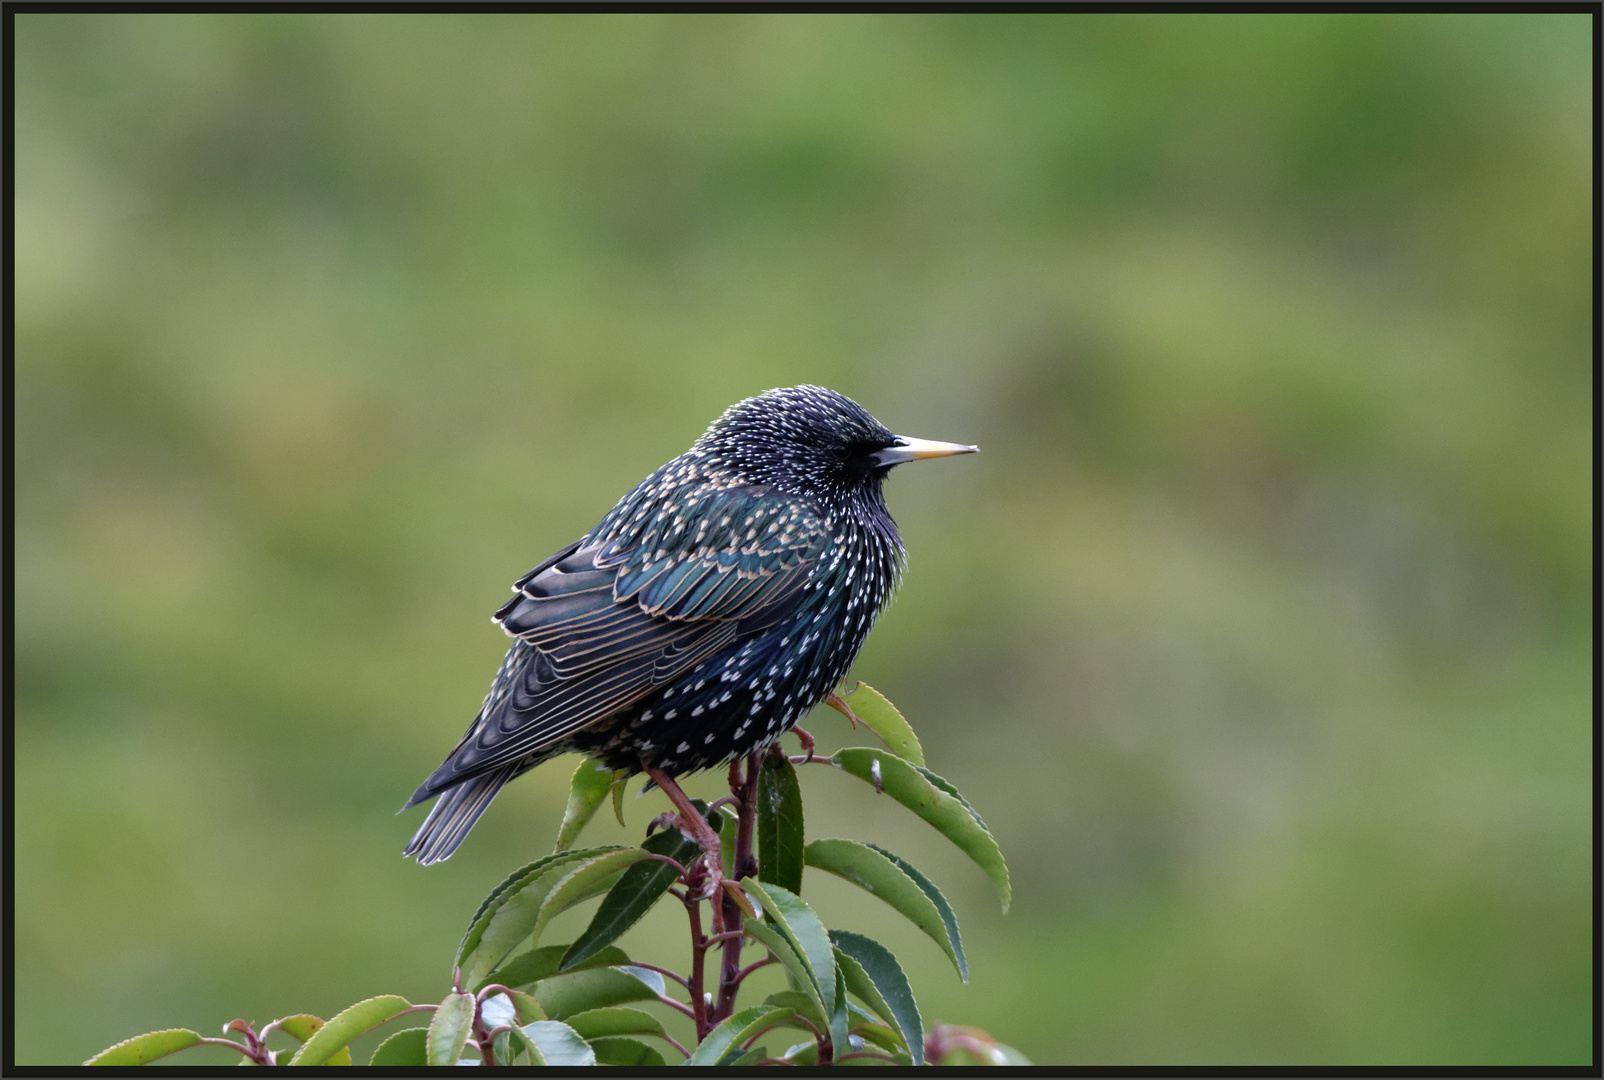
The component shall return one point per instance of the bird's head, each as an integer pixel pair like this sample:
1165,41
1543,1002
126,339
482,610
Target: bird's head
813,441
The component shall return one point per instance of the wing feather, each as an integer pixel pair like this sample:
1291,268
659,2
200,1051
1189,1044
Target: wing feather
607,621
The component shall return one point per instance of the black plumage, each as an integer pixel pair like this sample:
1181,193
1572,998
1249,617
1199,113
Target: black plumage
719,601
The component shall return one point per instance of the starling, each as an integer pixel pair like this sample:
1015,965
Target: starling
719,601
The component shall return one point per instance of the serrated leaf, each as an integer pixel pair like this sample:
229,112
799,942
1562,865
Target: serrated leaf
779,824
632,896
800,1002
616,1051
559,1044
722,1046
536,964
449,1030
300,1026
587,879
927,795
885,720
487,907
838,1019
750,1057
338,1032
873,974
620,782
605,1023
882,1036
522,1049
805,1053
303,1026
146,1047
787,912
529,1007
946,785
525,908
948,917
882,874
801,974
562,996
403,1049
586,791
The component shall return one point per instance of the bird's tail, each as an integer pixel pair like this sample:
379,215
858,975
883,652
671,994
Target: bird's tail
454,814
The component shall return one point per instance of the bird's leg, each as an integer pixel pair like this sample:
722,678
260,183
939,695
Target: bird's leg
700,830
836,702
808,743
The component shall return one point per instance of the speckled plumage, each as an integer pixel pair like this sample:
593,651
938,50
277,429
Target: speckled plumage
713,606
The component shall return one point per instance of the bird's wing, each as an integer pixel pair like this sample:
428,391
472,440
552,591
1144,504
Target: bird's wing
601,625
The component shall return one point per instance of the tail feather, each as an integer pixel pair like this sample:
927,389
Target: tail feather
454,814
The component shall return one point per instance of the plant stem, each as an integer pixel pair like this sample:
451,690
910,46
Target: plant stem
744,789
693,911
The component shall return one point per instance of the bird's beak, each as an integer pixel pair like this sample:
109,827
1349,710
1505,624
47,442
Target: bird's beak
915,449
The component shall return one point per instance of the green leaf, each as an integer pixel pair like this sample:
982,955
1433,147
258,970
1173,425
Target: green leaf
802,1004
838,1019
611,1051
620,782
786,953
636,890
404,1048
872,1031
722,1046
450,1028
589,786
806,1053
536,964
562,996
927,795
522,1049
874,975
948,918
529,1007
946,786
886,721
779,824
751,1057
559,1044
589,878
605,1023
337,1034
525,908
303,1026
786,912
498,895
146,1047
883,874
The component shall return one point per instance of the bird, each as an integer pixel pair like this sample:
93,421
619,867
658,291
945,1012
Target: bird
718,602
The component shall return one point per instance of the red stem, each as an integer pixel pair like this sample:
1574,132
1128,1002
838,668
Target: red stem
663,971
745,791
749,968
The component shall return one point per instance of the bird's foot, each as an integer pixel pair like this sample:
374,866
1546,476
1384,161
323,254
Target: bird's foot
692,824
808,743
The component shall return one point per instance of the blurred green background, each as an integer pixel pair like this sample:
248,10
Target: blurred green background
1260,632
